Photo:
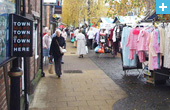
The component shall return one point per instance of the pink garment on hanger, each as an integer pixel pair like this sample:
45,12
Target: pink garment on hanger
136,31
131,54
141,55
132,42
142,41
153,56
155,62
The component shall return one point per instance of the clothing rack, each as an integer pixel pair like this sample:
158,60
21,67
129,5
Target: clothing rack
162,74
127,68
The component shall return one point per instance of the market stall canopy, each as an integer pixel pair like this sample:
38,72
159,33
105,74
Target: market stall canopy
118,19
107,26
128,19
106,23
105,20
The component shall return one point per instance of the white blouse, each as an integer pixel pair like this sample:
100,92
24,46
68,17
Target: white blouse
167,48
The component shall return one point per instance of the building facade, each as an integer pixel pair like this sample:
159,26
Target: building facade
32,66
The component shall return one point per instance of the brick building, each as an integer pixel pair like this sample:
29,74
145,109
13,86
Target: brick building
33,69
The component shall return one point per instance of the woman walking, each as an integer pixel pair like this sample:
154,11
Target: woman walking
57,41
46,43
81,44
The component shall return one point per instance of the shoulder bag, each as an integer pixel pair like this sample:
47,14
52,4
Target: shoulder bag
61,49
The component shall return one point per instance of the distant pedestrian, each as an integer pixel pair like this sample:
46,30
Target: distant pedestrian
45,31
64,34
75,34
81,44
76,31
54,34
46,43
57,41
90,35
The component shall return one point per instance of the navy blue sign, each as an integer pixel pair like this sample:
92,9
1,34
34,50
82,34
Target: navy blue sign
21,36
58,9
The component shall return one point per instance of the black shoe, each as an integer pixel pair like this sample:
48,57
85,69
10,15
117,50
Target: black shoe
62,62
59,76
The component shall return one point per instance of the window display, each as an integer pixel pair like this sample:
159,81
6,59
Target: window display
6,7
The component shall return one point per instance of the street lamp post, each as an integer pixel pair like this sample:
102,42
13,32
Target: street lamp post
15,75
41,36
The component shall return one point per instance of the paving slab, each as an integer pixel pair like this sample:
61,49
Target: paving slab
90,90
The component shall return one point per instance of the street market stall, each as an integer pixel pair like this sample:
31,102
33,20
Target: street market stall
102,37
148,46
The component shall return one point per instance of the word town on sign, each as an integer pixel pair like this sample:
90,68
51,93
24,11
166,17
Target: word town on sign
22,32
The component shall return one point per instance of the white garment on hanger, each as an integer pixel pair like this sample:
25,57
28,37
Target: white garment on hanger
167,47
114,35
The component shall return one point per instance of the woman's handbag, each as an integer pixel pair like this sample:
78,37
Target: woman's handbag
61,49
50,68
86,49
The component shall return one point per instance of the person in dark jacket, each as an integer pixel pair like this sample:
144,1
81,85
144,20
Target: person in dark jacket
55,51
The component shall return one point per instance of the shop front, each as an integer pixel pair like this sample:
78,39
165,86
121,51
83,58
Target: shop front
6,7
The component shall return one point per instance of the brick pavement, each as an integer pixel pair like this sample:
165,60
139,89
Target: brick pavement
90,90
141,95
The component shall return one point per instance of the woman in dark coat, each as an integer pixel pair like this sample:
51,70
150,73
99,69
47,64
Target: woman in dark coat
55,51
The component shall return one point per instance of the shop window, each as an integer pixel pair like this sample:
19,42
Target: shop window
6,7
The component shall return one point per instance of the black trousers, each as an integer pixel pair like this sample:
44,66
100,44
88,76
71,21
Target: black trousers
90,43
57,62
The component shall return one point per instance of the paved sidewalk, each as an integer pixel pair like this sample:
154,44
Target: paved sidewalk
90,90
